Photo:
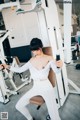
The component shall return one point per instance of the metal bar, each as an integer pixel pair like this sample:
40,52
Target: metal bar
61,70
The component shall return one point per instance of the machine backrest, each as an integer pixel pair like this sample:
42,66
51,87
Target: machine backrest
52,77
17,60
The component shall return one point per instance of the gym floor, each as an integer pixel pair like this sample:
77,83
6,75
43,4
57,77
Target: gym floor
69,111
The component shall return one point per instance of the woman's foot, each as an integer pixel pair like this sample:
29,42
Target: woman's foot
33,118
48,117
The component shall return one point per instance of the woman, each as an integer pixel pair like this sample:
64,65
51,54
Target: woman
39,66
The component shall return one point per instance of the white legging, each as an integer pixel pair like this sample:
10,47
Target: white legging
44,89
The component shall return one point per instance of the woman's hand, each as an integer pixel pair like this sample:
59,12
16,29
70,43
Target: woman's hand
5,66
1,67
59,63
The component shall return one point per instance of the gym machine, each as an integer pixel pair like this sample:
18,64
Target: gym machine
49,30
4,90
48,22
50,35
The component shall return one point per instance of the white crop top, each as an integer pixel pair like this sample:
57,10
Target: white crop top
35,73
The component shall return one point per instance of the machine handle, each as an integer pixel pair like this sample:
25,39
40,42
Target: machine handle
57,58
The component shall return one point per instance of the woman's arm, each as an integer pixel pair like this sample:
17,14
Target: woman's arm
17,69
56,66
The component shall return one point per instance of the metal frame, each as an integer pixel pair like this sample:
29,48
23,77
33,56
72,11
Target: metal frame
54,42
55,35
61,96
4,91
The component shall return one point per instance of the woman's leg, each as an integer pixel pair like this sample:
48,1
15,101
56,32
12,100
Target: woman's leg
50,100
23,102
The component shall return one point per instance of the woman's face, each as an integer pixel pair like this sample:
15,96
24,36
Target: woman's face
36,52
